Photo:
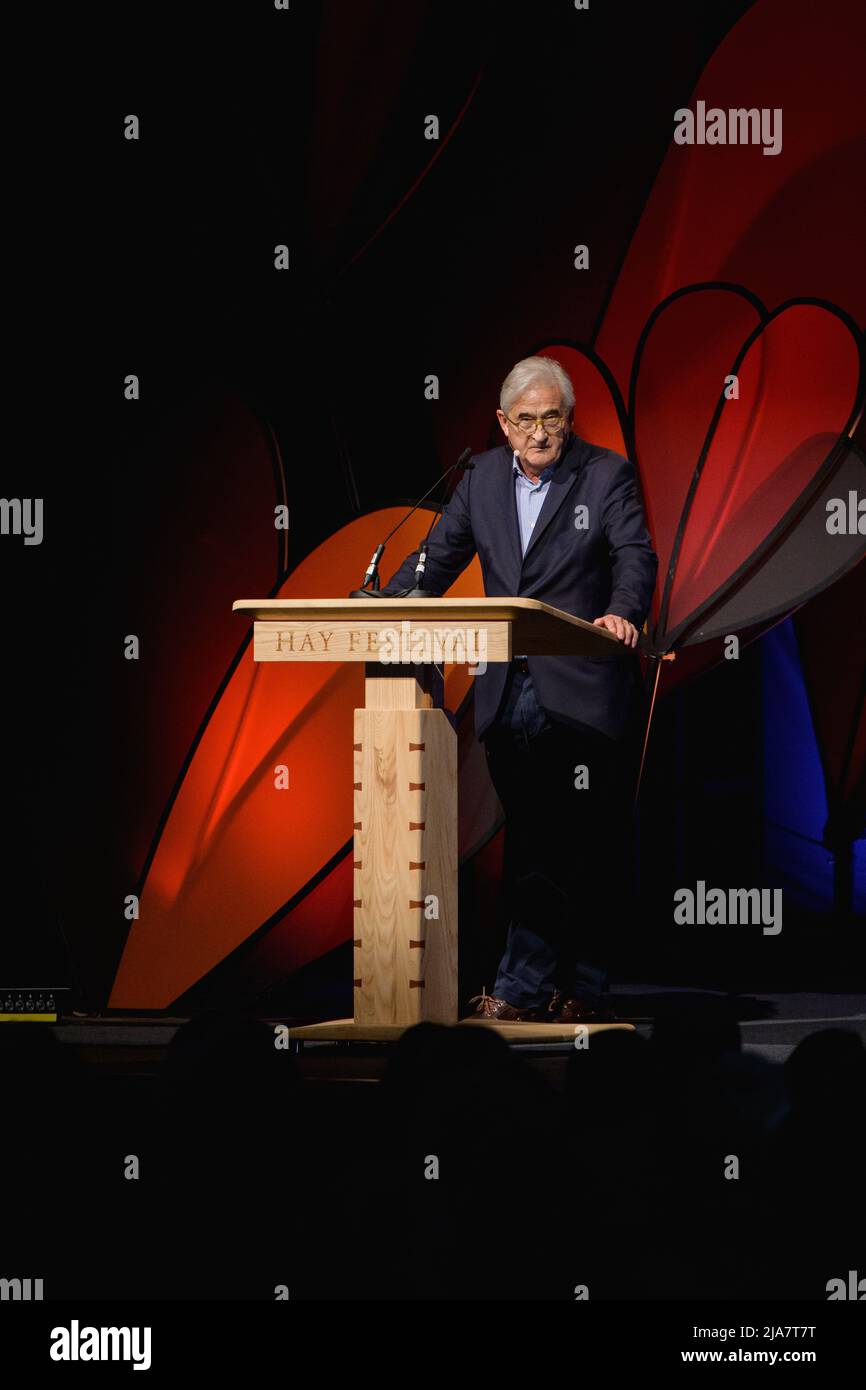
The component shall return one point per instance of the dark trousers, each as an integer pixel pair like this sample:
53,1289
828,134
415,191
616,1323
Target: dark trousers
567,848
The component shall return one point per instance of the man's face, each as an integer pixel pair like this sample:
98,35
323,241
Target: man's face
537,445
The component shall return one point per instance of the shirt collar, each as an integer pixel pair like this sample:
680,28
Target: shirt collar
544,476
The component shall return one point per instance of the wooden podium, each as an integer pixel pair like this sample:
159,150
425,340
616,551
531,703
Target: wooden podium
405,776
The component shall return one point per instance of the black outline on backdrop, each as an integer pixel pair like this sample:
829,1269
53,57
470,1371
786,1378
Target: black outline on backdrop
738,577
627,418
668,149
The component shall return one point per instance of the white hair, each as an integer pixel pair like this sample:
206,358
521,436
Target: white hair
529,372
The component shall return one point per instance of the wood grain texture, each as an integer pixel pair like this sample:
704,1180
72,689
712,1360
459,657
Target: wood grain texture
405,879
402,687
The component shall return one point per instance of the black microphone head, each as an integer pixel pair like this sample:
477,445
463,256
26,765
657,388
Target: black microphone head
465,459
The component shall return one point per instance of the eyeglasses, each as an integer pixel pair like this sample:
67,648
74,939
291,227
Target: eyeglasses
551,423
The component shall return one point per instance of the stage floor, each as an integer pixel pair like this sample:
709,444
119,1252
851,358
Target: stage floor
771,1026
347,1030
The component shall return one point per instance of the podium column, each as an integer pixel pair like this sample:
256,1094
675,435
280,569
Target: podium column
405,849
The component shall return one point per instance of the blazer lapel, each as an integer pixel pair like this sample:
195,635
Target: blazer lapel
561,483
508,510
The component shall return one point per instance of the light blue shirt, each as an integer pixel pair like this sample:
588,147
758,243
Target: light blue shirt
529,497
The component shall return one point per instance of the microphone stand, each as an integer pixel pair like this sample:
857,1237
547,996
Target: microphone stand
418,590
371,576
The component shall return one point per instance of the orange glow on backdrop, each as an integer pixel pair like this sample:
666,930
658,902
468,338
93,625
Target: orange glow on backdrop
234,849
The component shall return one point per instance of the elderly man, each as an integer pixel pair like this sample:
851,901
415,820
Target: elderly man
555,518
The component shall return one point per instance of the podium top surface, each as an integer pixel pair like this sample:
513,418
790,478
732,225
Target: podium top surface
537,628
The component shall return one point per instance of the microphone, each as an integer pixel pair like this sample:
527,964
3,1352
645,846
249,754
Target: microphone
371,576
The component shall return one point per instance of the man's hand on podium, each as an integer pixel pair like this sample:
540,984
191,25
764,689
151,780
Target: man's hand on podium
620,627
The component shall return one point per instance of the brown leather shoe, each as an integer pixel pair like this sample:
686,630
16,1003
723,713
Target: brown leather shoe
491,1007
576,1010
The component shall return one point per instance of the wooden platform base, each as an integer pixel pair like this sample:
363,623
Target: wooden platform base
346,1030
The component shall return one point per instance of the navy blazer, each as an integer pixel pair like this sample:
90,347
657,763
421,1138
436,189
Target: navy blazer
608,567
